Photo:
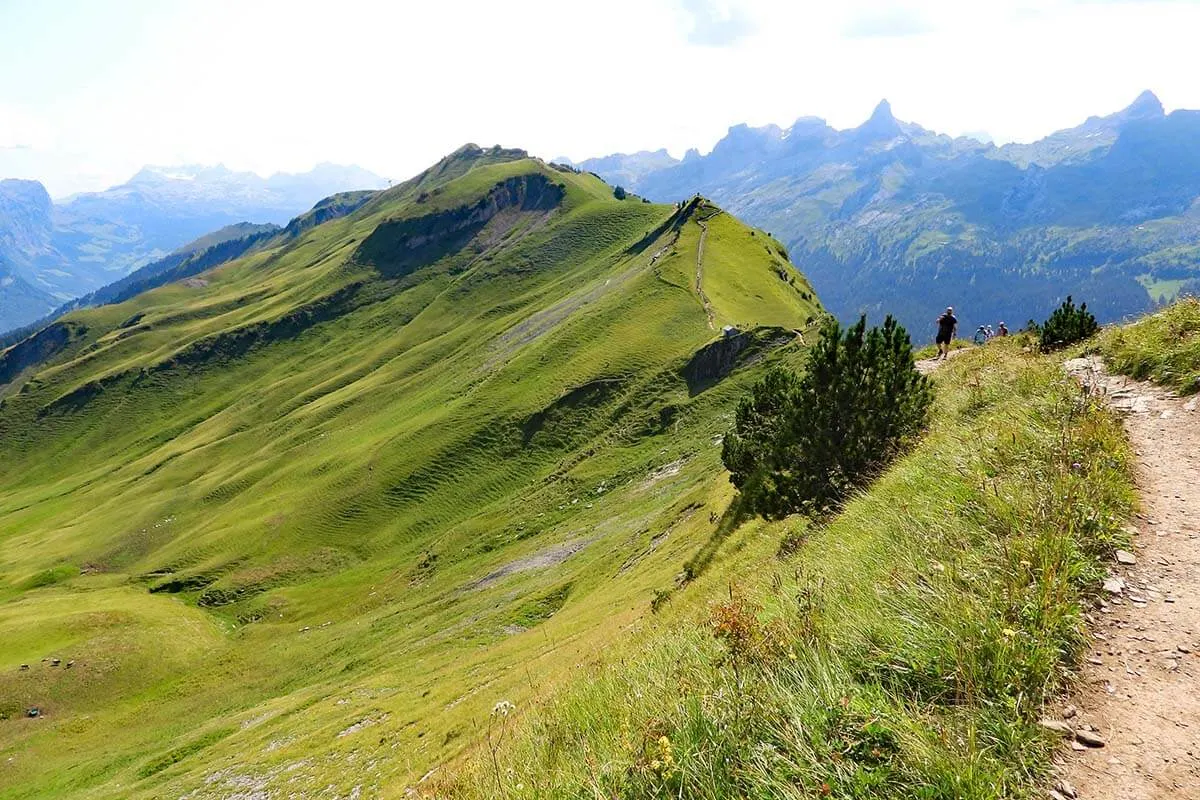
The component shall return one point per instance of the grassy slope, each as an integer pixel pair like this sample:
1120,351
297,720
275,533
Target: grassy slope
902,651
1164,346
370,527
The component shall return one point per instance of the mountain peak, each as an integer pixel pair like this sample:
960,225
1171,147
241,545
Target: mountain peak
881,125
1146,106
882,112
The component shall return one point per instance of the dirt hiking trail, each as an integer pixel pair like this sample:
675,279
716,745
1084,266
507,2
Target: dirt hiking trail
703,223
927,365
1139,696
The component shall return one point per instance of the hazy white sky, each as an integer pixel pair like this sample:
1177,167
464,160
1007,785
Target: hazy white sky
93,90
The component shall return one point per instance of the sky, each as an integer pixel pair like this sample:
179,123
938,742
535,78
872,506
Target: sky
94,90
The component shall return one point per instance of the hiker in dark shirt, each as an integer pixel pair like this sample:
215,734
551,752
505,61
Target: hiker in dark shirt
947,326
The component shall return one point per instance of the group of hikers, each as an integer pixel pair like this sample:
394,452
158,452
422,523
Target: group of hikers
947,325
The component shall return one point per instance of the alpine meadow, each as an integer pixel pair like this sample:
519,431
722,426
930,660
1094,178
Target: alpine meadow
424,495
837,460
307,516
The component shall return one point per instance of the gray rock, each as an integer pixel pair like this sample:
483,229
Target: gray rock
1114,585
1057,726
1088,738
1064,786
1070,711
1125,557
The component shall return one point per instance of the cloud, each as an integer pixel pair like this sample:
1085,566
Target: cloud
716,25
886,24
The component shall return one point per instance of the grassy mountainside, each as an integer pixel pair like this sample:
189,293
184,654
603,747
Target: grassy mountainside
296,523
1164,347
903,650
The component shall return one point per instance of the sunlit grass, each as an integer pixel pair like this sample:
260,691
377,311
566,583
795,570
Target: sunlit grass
904,650
284,538
1163,346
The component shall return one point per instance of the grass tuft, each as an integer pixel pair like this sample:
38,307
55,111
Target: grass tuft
1163,347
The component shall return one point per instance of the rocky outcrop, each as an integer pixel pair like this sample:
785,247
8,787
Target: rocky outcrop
398,247
333,207
37,349
713,362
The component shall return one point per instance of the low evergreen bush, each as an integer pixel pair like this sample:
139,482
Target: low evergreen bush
1067,325
805,442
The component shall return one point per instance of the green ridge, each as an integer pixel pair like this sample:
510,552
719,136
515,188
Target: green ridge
300,521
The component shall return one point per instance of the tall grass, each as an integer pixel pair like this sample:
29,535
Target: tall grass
1163,347
904,650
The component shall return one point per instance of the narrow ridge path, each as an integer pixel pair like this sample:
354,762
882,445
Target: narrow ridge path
703,223
1140,688
927,365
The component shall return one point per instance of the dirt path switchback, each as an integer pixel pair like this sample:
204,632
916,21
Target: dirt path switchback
1140,690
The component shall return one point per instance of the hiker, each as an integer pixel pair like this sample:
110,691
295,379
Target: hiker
947,326
981,335
1002,330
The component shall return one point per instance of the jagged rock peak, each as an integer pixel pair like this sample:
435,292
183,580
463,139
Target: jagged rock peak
809,122
743,131
472,150
1146,106
882,113
882,124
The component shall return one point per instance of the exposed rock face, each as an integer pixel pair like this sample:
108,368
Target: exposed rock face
332,207
717,359
399,247
37,348
25,220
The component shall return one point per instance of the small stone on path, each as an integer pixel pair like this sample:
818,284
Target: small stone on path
1088,738
1125,557
1057,726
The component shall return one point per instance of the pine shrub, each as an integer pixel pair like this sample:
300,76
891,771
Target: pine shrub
1067,325
803,443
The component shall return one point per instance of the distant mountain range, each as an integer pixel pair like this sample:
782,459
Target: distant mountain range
53,252
890,217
